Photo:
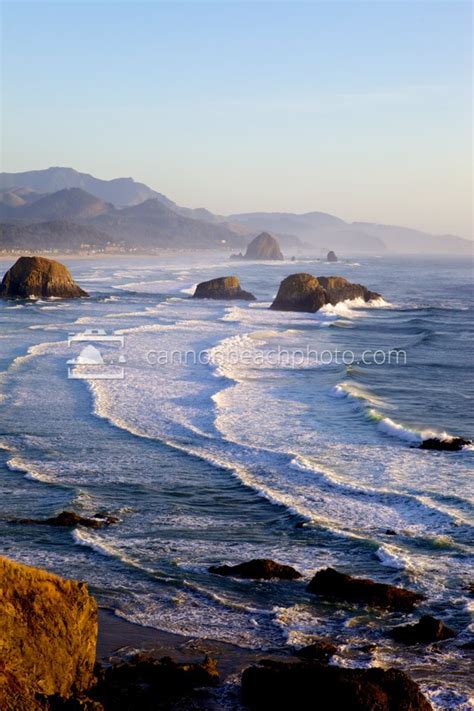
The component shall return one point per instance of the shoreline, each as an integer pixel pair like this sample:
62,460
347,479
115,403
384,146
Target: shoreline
119,638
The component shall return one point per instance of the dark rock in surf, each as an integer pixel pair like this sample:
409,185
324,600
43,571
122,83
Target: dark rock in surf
304,292
300,292
332,585
339,289
319,651
265,246
331,257
281,685
39,277
427,629
390,532
257,569
454,444
69,519
222,288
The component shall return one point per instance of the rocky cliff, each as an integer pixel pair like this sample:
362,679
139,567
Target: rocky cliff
48,636
39,277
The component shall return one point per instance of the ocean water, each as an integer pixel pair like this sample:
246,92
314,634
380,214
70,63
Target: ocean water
233,435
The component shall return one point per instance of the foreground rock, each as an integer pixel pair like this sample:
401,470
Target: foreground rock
70,519
48,636
331,257
331,584
257,569
222,288
305,685
144,683
264,247
455,444
304,292
427,629
39,277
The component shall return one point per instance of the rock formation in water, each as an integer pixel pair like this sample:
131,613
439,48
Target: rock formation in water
222,288
332,585
300,292
331,256
319,651
259,568
39,277
339,289
276,684
304,292
264,247
428,629
453,444
71,519
48,636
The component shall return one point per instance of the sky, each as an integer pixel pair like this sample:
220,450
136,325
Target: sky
360,109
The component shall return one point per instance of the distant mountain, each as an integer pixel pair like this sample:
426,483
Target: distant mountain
22,197
119,191
322,232
69,204
58,234
319,231
152,224
408,241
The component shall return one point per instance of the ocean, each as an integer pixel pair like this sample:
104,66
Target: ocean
228,432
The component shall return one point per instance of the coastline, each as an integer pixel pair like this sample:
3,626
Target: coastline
119,638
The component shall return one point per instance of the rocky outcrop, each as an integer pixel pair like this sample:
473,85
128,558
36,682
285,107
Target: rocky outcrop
39,277
300,292
257,569
454,444
339,289
222,288
427,629
48,636
300,685
264,247
331,256
146,683
71,519
319,651
332,585
304,292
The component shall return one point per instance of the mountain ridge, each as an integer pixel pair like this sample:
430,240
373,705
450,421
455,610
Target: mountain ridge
312,231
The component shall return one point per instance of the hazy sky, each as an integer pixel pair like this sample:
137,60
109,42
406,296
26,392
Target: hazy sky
361,109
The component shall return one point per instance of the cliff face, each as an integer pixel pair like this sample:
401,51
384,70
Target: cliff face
48,636
40,277
264,247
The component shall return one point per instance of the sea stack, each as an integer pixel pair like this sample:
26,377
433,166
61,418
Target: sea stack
222,288
38,277
304,292
49,633
331,256
264,247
